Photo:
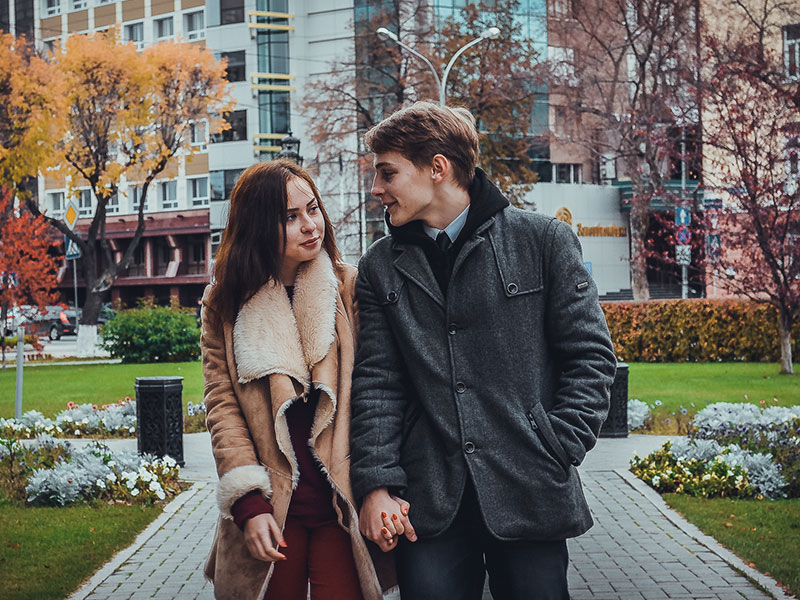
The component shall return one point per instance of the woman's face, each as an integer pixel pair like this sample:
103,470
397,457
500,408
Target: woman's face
305,226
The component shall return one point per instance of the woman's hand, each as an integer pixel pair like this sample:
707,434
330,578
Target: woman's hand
383,518
263,537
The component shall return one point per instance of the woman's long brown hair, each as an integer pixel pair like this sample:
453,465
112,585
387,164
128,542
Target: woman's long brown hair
252,247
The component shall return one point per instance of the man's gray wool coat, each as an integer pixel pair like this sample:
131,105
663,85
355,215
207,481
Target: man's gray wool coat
505,379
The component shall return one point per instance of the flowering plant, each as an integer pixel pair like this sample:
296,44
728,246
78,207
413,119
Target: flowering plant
95,473
109,420
762,445
638,414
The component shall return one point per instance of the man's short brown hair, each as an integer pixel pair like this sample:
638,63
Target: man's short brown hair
421,131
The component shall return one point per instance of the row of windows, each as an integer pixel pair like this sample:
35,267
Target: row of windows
165,192
164,28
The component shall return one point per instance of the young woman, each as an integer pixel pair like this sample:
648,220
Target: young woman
278,340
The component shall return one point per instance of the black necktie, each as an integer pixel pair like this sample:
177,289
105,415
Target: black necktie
443,241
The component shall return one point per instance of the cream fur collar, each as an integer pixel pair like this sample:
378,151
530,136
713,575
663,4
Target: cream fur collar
272,335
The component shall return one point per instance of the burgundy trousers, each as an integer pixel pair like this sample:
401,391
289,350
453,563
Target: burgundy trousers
319,553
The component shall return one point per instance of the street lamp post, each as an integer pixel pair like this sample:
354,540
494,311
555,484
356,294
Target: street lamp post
290,148
441,84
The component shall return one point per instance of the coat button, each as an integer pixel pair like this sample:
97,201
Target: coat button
391,296
512,288
451,329
461,387
469,447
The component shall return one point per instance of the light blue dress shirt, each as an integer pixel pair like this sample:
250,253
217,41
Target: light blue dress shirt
452,230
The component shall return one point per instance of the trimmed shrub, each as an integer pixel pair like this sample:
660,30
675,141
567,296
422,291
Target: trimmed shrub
696,331
152,334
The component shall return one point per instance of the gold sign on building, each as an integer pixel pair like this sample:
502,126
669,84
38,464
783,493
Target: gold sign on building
600,231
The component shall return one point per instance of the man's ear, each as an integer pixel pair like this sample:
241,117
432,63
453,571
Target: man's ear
440,168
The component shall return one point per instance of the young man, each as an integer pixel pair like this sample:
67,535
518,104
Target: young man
482,375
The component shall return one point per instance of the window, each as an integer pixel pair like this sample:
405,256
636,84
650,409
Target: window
134,32
162,29
194,25
50,46
198,191
222,183
791,46
238,128
135,194
231,11
79,4
85,203
99,2
52,7
168,194
198,133
235,70
112,206
561,9
567,173
55,204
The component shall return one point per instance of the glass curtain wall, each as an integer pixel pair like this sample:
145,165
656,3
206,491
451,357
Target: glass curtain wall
274,112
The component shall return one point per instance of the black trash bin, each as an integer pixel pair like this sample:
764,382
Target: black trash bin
616,425
159,416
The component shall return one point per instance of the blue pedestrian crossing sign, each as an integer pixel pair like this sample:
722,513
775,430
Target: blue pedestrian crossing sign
72,249
683,216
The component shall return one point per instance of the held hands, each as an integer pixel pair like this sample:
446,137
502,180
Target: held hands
263,537
384,518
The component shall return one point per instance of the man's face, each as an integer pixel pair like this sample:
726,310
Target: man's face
406,192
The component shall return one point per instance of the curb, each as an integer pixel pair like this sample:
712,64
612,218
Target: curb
768,583
120,557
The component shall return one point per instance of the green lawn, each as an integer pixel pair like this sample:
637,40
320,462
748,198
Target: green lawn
694,385
48,389
765,533
48,552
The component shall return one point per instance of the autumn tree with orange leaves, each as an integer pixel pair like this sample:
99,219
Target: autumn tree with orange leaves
28,267
129,113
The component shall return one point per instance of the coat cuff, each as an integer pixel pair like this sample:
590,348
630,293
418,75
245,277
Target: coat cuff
249,506
238,482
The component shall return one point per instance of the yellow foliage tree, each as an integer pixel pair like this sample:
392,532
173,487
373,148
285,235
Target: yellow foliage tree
128,113
30,114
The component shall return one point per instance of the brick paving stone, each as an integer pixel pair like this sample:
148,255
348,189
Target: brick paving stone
632,553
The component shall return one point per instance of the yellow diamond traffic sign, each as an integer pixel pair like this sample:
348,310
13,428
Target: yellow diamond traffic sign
71,215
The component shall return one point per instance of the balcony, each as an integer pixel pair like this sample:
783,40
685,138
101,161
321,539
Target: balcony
266,82
254,21
261,142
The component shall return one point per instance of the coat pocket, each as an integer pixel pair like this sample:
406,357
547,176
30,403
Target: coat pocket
540,423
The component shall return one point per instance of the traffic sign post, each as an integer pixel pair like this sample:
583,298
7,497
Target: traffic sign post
71,215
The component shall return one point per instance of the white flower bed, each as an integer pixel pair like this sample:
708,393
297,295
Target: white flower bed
75,421
94,472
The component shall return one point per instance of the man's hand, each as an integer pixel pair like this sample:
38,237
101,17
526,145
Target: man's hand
383,518
263,536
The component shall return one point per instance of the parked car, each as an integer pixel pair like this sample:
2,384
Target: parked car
54,322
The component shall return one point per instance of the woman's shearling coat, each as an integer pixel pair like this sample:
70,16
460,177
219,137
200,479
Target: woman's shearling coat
254,369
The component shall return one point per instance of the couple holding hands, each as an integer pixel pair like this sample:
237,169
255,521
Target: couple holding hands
417,421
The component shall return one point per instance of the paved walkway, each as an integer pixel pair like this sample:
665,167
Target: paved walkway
638,549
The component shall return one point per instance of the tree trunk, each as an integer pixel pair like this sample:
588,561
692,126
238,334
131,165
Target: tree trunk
91,306
639,220
785,322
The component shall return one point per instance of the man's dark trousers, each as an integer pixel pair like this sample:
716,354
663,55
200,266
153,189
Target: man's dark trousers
452,565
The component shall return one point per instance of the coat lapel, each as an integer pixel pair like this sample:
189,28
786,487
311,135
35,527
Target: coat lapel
413,264
272,335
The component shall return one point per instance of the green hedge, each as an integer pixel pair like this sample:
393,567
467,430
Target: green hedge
153,334
696,331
